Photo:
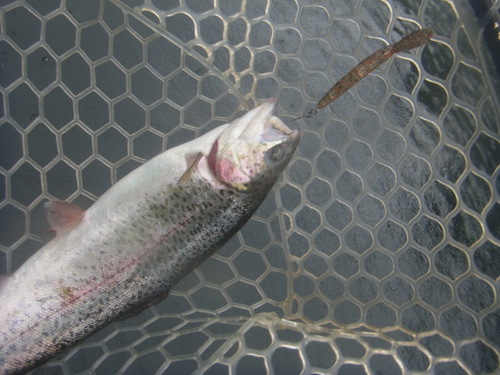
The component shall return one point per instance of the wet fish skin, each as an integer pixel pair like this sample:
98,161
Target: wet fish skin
140,238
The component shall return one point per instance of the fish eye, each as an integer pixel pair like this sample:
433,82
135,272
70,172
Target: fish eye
276,153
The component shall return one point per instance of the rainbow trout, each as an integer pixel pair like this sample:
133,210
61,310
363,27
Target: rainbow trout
140,238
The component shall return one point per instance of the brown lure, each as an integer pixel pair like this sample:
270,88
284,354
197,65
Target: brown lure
415,39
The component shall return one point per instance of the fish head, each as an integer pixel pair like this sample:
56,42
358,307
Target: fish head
253,150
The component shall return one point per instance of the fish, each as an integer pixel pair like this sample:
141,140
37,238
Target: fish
140,238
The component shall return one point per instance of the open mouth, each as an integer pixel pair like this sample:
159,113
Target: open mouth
262,122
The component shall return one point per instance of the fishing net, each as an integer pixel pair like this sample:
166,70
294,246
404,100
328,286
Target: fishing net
378,250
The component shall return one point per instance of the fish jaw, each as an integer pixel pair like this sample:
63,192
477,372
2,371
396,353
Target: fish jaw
253,150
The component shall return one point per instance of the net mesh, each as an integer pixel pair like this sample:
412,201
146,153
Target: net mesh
378,250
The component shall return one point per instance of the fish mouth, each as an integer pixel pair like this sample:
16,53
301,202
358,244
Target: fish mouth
261,122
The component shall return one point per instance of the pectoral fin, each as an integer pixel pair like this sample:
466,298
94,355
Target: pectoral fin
192,161
63,216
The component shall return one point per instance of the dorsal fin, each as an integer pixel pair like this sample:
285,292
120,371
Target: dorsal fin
3,281
63,216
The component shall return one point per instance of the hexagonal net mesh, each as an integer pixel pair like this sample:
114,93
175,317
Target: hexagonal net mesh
377,252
